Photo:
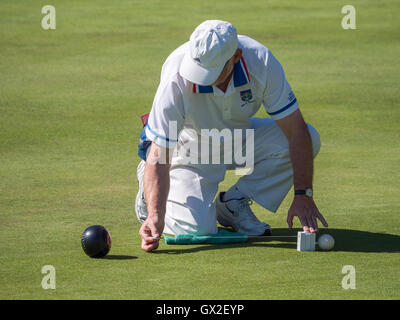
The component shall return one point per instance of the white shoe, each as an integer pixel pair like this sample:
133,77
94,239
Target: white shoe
240,217
140,203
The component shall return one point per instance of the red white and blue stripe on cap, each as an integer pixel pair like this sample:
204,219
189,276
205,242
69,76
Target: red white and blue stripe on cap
240,78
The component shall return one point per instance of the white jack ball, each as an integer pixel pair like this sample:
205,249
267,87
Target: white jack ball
326,242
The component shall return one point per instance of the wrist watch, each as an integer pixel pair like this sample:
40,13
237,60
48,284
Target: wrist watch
307,192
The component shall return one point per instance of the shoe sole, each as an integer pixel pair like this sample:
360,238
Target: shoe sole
221,220
220,213
137,206
138,199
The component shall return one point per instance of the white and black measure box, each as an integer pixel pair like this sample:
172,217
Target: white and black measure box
305,241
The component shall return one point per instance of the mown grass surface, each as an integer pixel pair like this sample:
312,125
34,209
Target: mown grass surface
70,101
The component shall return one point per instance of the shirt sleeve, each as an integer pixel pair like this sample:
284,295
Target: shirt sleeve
166,116
279,100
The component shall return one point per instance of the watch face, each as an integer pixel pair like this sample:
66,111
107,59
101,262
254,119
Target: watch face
309,193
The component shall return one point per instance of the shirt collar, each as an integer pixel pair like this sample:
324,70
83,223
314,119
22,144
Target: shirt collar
240,78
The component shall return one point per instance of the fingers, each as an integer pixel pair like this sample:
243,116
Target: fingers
149,246
313,224
150,237
308,214
304,222
322,219
145,232
308,221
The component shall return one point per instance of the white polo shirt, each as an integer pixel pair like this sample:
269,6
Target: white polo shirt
258,79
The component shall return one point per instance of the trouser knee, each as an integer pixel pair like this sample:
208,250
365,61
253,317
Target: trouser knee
315,138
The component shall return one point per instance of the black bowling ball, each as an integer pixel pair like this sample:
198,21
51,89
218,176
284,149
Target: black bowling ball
96,241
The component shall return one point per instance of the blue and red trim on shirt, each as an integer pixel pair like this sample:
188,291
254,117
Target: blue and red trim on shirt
240,78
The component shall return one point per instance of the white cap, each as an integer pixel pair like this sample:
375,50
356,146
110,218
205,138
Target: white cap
211,45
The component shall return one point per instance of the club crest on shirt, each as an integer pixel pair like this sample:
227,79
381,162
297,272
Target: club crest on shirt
246,96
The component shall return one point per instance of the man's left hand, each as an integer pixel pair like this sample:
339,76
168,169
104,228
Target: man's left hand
307,211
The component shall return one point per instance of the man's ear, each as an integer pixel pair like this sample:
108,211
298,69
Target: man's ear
237,55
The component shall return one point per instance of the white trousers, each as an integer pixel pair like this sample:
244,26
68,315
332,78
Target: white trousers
193,187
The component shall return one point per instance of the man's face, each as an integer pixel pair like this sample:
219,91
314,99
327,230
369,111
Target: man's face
228,68
226,72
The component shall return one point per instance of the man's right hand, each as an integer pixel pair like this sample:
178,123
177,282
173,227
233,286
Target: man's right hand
150,231
156,189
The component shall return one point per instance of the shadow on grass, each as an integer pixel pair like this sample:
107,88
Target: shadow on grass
119,257
345,241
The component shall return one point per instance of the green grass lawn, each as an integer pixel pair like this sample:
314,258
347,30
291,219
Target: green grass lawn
70,105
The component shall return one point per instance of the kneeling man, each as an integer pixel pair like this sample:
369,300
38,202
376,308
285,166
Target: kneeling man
215,83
